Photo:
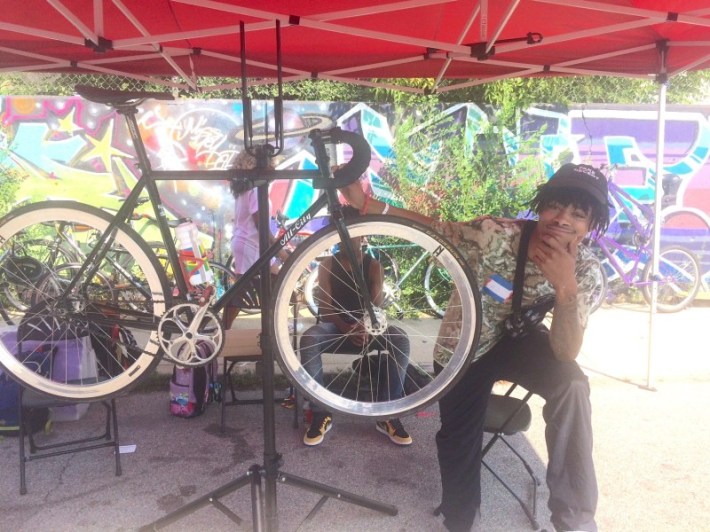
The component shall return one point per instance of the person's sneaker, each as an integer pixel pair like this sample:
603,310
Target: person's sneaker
395,431
319,426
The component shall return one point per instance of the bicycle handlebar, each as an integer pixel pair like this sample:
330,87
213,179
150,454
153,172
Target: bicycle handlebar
352,170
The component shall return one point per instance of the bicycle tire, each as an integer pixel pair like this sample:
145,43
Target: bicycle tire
680,279
350,388
688,228
599,293
85,312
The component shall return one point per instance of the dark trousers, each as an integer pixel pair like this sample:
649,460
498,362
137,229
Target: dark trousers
325,338
571,479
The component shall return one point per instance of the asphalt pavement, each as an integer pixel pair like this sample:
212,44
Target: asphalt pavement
651,425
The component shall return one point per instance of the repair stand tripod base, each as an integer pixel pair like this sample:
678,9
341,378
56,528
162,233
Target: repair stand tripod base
263,479
254,478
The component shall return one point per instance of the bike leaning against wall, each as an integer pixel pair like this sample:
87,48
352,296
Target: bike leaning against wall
625,252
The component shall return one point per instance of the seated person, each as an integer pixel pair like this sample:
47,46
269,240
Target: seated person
341,330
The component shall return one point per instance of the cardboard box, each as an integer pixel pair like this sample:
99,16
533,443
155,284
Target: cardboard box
241,343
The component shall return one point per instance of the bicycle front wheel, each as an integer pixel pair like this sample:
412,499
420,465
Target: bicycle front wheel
381,380
678,282
118,308
688,228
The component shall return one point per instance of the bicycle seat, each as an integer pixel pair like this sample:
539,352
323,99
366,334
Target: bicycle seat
118,97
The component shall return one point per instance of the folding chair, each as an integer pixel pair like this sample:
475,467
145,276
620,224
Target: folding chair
507,415
29,401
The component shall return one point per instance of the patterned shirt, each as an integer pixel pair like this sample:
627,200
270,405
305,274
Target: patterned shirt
490,246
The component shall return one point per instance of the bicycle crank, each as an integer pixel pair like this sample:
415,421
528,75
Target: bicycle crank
191,334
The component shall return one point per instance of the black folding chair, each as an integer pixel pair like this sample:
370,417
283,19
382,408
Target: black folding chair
507,415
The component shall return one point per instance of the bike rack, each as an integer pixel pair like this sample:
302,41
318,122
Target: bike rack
263,478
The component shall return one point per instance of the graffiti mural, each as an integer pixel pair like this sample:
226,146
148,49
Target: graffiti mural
71,148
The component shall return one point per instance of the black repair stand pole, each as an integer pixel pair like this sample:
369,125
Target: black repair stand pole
263,479
271,457
266,519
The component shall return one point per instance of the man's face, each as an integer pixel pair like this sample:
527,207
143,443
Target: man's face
565,223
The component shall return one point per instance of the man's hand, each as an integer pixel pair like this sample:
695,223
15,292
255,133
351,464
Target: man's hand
557,263
356,334
354,194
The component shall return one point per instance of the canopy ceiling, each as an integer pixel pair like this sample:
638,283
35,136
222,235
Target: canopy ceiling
357,40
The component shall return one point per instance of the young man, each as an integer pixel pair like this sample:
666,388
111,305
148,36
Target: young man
570,205
341,331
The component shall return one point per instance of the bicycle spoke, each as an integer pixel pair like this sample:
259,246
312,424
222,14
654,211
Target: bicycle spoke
104,315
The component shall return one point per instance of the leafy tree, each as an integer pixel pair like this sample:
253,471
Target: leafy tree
9,176
687,88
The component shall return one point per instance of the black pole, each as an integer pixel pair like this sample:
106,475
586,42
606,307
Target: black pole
271,457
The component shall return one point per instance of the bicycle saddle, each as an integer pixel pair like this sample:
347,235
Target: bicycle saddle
118,97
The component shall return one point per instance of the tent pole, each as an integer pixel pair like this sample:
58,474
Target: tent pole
660,150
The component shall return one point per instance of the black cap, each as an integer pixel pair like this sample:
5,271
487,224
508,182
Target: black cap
582,177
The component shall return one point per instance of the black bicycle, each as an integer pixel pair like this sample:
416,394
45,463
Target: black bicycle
181,320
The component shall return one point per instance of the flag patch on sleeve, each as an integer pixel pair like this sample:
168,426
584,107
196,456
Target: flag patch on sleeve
498,288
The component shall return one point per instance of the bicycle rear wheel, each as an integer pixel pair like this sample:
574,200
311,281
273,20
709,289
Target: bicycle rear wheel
118,308
349,383
679,280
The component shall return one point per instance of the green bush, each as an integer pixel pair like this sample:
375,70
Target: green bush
456,174
10,178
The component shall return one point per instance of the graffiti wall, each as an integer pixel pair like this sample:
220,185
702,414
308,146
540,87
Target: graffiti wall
71,148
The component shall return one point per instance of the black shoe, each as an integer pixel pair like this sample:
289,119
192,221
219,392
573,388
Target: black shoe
394,429
321,424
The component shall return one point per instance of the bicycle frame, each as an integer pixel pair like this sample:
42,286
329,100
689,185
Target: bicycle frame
636,255
260,177
641,250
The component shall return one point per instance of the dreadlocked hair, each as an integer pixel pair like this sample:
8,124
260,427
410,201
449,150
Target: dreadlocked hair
578,199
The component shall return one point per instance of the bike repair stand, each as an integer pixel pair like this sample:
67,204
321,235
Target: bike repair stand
263,478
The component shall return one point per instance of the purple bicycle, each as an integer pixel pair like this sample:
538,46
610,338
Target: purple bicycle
626,250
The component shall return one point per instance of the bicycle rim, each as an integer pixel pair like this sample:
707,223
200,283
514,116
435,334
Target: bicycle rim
310,289
116,311
356,381
679,279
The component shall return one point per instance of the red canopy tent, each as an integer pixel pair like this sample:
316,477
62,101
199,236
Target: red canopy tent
177,42
355,41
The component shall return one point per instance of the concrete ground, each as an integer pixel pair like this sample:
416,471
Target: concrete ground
652,433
